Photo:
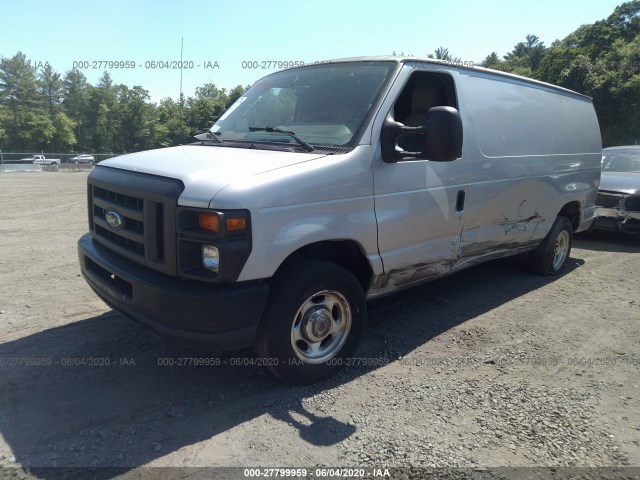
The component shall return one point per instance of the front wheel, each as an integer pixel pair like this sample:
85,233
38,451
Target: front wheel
312,323
550,257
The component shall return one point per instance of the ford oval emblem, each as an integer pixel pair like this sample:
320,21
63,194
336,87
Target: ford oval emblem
113,218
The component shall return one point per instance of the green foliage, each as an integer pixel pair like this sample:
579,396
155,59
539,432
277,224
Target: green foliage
3,134
63,137
442,53
525,56
491,61
50,87
39,129
19,99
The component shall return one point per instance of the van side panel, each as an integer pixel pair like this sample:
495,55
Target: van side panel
533,151
522,120
528,150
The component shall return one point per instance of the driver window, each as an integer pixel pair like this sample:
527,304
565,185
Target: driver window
423,91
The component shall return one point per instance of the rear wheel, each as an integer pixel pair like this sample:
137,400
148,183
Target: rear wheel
550,257
312,323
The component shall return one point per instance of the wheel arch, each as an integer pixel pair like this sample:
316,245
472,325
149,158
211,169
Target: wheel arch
572,211
348,254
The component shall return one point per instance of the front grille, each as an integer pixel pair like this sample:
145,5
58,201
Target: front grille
131,208
134,246
632,204
606,223
121,199
608,200
145,208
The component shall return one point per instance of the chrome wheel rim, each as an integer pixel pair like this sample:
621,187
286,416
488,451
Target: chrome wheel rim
321,326
561,250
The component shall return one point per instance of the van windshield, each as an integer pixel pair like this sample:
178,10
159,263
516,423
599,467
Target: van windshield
325,104
621,161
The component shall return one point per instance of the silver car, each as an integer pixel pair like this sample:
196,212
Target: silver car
82,159
618,203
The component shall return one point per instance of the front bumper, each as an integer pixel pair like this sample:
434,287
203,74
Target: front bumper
617,220
221,317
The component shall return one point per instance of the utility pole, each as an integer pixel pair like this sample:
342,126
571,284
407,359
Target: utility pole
181,100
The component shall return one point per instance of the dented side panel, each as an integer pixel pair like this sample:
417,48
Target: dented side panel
535,150
419,228
534,162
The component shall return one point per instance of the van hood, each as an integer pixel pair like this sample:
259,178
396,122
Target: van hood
206,169
622,182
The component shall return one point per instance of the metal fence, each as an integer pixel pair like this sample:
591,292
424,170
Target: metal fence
23,157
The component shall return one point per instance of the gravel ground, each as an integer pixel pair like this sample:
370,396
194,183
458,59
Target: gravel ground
491,370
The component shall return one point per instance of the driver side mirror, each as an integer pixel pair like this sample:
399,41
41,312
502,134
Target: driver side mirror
439,140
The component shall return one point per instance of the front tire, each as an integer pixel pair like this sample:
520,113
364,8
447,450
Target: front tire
312,323
550,257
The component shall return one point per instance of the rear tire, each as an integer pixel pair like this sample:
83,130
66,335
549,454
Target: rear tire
550,257
312,323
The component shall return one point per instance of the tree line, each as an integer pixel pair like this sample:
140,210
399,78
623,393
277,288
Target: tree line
42,110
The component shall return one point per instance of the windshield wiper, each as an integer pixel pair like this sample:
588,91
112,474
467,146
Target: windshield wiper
208,136
304,144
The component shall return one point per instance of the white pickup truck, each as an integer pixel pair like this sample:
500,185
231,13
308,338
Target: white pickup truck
41,160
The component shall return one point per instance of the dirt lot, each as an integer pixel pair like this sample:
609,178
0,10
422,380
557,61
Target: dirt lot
491,367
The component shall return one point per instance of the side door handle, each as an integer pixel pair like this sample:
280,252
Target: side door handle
460,201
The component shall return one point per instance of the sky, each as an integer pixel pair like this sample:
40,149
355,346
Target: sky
223,40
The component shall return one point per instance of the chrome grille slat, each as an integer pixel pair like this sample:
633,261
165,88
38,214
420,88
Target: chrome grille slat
136,237
128,212
122,245
118,198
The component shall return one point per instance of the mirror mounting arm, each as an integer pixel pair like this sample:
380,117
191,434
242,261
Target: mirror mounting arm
442,132
391,131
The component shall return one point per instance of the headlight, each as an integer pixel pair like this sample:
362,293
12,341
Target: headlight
213,245
210,258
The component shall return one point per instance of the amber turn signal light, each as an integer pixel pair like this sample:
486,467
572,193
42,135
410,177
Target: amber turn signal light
235,224
209,222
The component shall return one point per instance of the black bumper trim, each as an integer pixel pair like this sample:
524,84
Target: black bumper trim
221,317
619,224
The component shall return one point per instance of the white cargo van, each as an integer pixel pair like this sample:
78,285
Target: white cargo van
327,185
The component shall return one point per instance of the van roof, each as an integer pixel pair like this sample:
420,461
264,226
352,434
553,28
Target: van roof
458,66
